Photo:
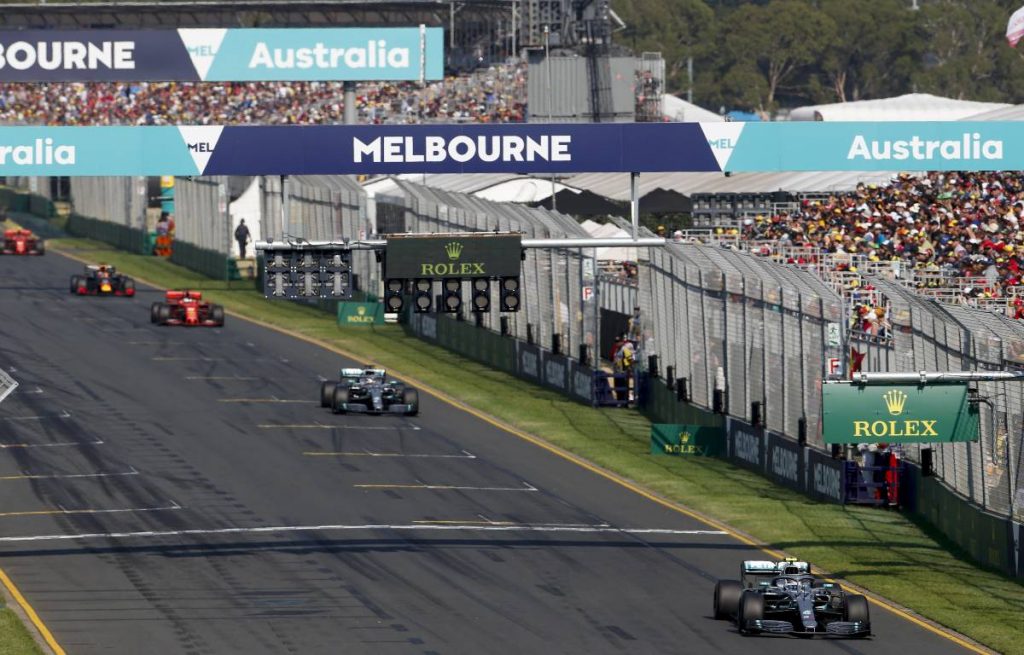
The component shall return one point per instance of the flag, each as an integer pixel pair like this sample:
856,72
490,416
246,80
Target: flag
856,360
1015,28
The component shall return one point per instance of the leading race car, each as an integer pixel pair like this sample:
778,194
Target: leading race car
784,598
367,390
186,307
21,242
102,280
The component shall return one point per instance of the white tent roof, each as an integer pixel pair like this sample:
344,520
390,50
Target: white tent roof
909,107
1011,113
521,189
609,231
676,109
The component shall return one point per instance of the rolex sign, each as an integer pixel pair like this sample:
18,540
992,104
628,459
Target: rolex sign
909,413
453,256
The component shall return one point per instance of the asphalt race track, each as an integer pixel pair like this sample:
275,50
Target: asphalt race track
271,526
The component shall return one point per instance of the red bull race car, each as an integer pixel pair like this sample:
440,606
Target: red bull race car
21,242
185,307
102,280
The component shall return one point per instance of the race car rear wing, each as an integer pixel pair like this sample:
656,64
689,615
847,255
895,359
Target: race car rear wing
361,372
754,572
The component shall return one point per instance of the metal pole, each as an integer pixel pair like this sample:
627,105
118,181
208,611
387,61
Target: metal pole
285,222
451,24
377,244
925,377
515,26
551,101
634,205
350,102
689,75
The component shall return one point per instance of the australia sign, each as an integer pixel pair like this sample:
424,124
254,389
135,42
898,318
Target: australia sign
938,413
222,55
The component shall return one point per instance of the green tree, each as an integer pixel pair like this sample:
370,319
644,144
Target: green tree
766,51
678,29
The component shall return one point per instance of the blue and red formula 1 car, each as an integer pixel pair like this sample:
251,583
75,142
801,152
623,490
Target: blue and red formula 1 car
102,280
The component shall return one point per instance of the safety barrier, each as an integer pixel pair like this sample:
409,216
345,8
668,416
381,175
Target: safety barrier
212,264
114,234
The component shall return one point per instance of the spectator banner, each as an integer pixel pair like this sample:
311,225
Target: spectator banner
672,439
509,148
746,445
825,477
908,413
222,55
785,461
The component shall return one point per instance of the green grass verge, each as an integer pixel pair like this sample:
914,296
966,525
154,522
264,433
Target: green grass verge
880,550
14,637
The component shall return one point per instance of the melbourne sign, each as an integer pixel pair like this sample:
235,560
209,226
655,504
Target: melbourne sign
534,148
193,55
453,256
910,413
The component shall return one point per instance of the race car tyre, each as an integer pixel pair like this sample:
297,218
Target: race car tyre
40,248
154,312
76,282
411,397
128,286
751,609
327,393
339,399
857,609
727,598
163,314
217,315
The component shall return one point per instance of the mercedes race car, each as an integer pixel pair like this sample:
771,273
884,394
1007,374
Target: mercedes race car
102,280
368,391
21,242
186,308
784,598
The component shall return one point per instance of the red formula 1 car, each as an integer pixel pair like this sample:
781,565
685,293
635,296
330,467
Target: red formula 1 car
186,308
102,280
21,242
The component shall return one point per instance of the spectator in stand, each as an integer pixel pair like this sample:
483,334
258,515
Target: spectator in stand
948,227
493,95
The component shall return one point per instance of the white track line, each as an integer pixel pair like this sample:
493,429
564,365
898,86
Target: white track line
64,414
322,426
319,453
444,487
156,343
528,528
221,378
67,476
272,399
59,444
61,511
187,359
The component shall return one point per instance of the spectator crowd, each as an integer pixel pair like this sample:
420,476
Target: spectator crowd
953,229
493,95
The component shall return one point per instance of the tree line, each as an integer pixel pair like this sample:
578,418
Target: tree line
763,56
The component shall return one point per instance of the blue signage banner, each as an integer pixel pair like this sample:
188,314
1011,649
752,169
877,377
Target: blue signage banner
518,148
221,55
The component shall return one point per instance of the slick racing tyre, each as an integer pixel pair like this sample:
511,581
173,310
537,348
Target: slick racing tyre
40,248
339,400
411,397
76,281
727,598
217,315
857,609
163,314
751,609
154,312
327,393
128,286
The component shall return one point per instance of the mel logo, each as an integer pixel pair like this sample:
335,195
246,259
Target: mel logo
201,141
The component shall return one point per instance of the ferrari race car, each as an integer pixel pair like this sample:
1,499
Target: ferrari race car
784,598
22,242
367,390
186,308
102,280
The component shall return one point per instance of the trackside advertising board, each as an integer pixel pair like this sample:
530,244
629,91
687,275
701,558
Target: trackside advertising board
454,256
222,55
522,148
906,413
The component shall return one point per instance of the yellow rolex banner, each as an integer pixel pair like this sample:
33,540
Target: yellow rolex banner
673,439
909,413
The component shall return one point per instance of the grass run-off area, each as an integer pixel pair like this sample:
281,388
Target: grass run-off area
14,638
880,550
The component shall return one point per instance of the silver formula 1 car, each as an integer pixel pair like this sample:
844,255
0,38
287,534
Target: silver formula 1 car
369,391
784,598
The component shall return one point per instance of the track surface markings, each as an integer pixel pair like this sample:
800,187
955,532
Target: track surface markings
222,378
58,444
326,453
444,487
66,476
42,417
458,527
62,511
324,426
272,399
